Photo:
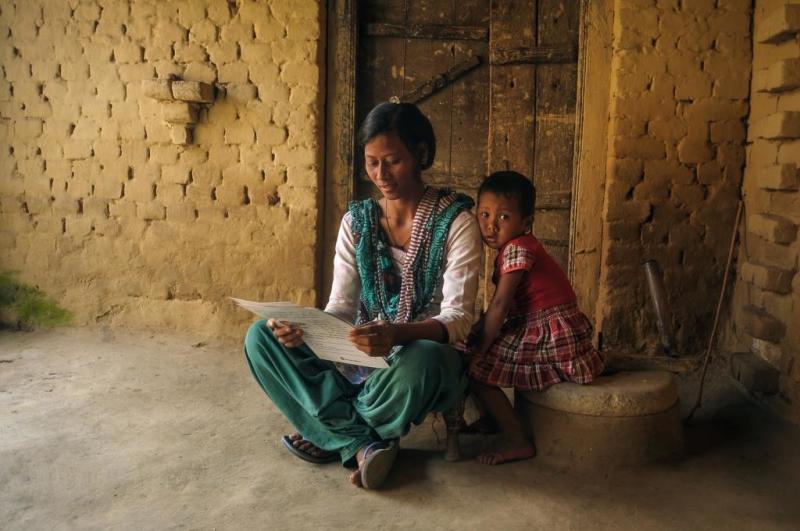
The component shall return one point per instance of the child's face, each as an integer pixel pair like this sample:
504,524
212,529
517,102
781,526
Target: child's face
500,219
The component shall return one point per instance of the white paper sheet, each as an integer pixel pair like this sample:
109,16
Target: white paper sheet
324,333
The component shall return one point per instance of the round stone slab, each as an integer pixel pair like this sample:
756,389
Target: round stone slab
625,394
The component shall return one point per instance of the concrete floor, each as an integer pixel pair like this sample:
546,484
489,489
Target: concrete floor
105,429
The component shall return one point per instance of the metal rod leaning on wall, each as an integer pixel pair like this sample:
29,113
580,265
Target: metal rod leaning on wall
725,276
658,295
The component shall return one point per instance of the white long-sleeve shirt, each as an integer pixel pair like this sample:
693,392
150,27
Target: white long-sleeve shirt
453,302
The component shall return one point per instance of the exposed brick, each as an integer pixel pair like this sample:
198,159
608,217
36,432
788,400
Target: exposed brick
193,91
239,133
772,228
136,72
222,52
175,174
150,210
218,13
777,126
727,131
237,31
182,212
779,77
203,32
785,204
197,71
623,230
788,152
169,193
694,150
106,188
771,353
189,52
241,94
755,374
780,25
230,194
760,324
178,112
181,134
28,129
139,190
693,87
640,148
190,13
128,52
672,129
164,154
768,278
778,177
75,149
235,72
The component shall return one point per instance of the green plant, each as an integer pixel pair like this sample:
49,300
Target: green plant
28,305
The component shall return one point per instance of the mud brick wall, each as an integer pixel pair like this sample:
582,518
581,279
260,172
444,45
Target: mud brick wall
766,303
679,103
104,212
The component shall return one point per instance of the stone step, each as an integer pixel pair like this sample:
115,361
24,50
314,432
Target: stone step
627,418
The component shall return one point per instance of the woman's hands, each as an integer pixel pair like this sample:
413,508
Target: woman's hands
374,339
287,334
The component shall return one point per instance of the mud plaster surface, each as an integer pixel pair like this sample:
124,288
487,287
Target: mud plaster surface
108,429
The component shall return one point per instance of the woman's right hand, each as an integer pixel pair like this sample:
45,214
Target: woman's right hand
287,334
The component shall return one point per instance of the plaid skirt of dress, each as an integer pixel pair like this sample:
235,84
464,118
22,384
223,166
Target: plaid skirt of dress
536,350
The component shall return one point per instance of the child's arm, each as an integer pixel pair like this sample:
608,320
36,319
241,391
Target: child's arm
498,309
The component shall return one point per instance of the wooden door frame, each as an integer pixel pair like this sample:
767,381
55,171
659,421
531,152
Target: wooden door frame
590,144
340,129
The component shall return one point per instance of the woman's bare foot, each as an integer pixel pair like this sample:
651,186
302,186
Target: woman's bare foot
508,449
355,477
375,461
307,446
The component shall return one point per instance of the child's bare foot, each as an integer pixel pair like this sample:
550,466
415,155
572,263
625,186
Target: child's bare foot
508,449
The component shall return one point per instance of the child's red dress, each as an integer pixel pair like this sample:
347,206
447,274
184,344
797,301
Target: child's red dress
545,338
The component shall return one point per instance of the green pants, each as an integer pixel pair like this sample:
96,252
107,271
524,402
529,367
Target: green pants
339,416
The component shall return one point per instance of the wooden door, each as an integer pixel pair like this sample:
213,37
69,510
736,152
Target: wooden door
497,79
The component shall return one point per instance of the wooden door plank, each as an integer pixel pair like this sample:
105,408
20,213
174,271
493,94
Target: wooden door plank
427,31
424,59
471,13
470,121
382,11
556,86
512,88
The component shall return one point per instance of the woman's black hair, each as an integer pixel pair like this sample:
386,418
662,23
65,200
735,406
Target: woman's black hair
407,122
514,185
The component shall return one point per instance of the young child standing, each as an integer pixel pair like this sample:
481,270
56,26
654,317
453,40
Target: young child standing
533,335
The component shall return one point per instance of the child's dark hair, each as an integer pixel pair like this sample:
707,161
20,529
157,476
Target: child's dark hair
407,122
512,184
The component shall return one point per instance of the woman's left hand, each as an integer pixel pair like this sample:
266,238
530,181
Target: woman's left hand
374,339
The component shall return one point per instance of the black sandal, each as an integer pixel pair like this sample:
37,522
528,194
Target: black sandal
325,457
